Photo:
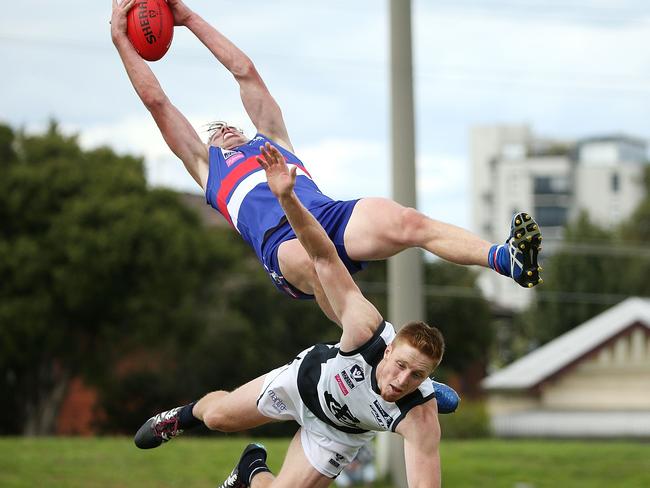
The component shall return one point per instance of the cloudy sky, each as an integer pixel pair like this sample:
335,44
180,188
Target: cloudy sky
568,68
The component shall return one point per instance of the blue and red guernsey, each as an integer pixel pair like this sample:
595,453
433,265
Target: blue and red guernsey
237,189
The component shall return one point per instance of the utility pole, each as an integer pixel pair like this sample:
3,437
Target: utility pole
405,299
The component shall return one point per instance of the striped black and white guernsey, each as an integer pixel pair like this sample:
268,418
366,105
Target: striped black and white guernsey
340,388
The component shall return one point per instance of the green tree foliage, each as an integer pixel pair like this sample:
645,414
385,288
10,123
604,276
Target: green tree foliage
455,305
122,285
636,232
93,264
594,270
106,279
572,282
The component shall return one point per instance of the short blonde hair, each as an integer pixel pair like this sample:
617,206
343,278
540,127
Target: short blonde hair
425,338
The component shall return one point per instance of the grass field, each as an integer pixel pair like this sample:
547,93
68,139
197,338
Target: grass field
192,462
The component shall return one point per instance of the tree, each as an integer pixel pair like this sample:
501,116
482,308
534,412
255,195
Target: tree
635,233
581,282
455,305
572,283
106,279
93,263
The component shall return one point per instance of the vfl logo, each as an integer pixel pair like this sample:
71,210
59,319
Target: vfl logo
357,373
153,14
342,413
341,385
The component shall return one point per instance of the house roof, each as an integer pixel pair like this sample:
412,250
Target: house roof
557,354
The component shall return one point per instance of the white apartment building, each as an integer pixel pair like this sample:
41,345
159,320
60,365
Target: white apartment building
554,180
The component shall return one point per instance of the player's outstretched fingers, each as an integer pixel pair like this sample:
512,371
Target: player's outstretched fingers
262,162
277,155
270,154
273,155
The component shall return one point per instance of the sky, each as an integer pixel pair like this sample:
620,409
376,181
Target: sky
569,69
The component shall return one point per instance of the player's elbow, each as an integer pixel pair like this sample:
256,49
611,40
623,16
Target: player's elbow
154,100
244,69
323,254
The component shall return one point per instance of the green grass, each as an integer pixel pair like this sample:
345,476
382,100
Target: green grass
545,464
192,462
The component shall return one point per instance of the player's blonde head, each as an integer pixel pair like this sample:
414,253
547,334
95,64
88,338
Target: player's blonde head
216,126
426,339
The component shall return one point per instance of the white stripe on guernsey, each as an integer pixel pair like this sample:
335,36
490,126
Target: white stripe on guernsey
244,188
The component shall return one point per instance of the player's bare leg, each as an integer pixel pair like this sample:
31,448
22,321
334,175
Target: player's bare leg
380,228
219,410
232,411
298,269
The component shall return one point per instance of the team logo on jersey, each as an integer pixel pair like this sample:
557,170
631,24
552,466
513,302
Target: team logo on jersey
278,279
278,404
347,379
336,462
381,416
280,282
378,418
341,412
357,373
341,385
232,157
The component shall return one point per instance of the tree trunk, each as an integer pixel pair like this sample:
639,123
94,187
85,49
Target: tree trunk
42,411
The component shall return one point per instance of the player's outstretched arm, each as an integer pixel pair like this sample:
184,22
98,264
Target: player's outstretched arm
357,316
179,134
421,431
261,107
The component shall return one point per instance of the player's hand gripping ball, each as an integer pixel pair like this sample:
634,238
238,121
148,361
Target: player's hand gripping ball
150,28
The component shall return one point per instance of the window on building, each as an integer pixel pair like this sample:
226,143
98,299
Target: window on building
551,185
615,183
551,216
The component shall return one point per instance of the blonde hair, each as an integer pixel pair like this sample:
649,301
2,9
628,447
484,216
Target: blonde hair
216,125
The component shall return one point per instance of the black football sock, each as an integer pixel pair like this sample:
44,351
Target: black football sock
185,418
253,463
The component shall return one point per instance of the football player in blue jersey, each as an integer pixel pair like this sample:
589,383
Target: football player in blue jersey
362,230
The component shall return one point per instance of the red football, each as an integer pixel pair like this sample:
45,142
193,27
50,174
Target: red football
150,27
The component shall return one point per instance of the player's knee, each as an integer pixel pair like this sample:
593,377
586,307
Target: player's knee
412,227
216,419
